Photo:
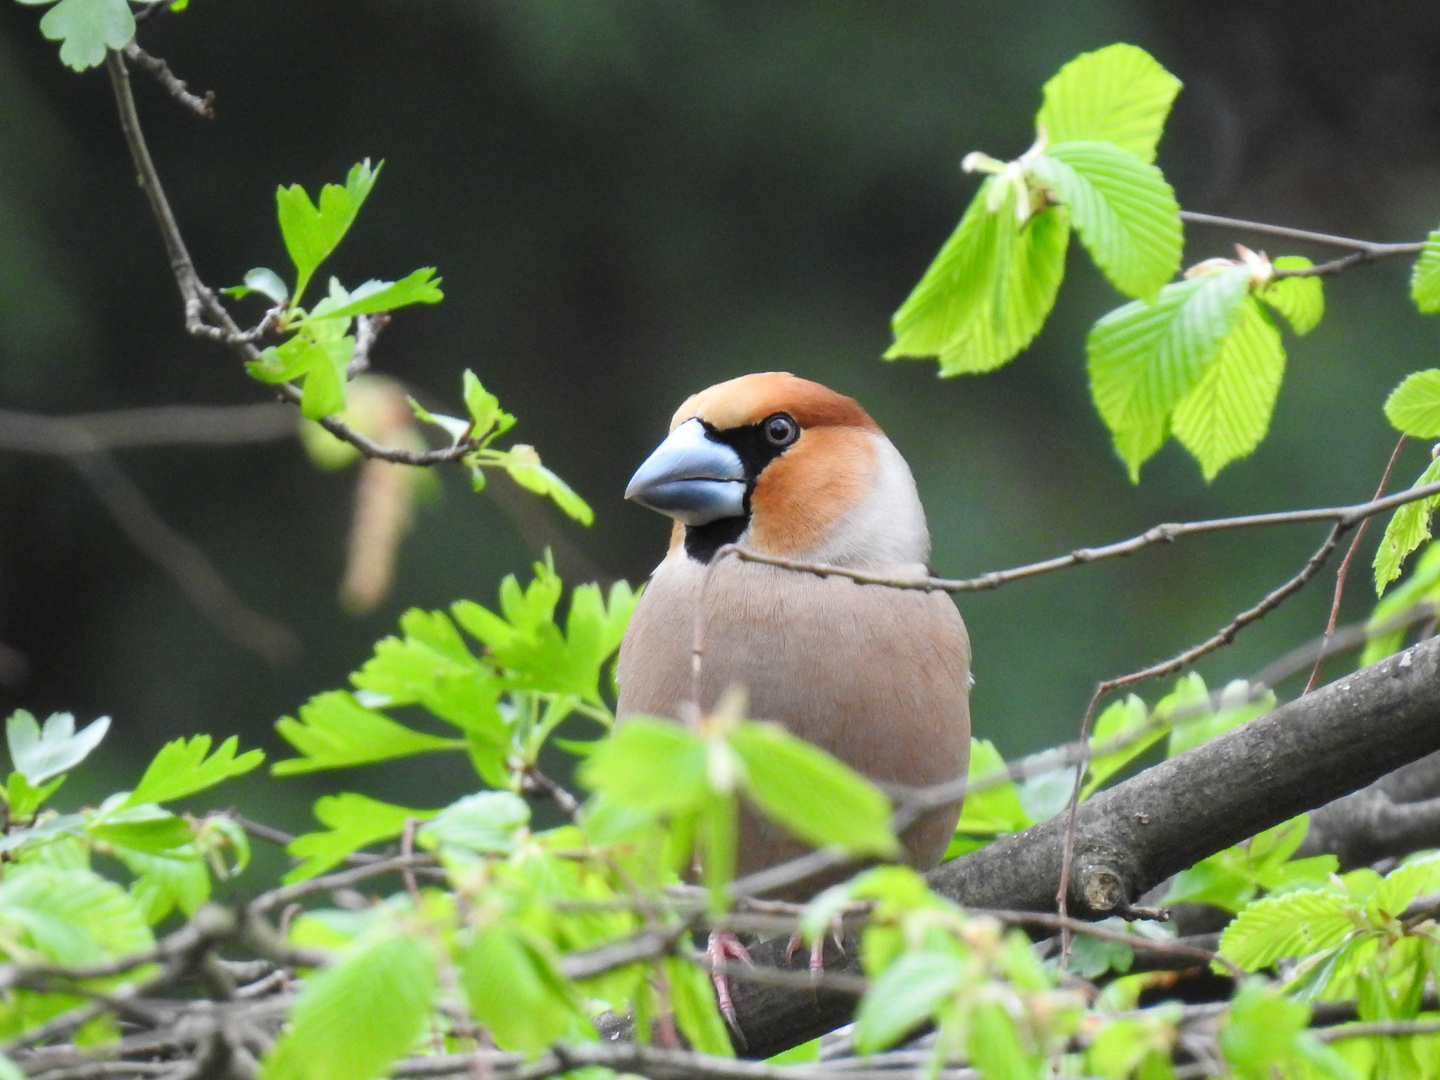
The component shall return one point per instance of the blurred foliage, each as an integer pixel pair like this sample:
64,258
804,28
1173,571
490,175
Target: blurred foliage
629,202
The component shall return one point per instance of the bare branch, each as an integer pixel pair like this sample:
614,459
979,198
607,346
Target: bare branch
175,87
159,425
1369,248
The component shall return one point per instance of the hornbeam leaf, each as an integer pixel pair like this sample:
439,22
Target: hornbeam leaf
1409,527
1144,358
1228,412
1414,406
1123,209
988,291
1292,924
388,980
1117,94
1425,279
1300,299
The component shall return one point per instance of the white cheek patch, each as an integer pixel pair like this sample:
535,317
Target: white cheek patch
887,527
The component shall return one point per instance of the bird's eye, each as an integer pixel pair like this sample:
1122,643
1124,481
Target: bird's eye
780,429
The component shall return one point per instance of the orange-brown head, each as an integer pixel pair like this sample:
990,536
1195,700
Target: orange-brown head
783,466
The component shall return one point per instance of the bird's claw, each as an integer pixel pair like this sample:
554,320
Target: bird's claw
722,946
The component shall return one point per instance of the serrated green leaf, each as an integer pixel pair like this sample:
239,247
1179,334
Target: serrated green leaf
335,731
1117,94
40,753
813,795
988,291
1414,406
1123,209
1422,586
904,996
1259,1032
1144,358
1425,278
389,980
1301,300
311,232
1293,924
1419,877
649,764
514,987
181,768
87,28
1226,414
70,917
1408,528
353,822
418,287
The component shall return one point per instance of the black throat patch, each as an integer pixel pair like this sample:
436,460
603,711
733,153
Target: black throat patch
755,452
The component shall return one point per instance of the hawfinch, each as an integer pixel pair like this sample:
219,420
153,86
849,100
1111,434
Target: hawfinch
879,677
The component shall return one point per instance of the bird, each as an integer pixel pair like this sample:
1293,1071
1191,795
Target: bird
876,676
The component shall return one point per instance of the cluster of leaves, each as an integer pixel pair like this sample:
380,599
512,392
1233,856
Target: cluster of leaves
56,908
1200,359
320,348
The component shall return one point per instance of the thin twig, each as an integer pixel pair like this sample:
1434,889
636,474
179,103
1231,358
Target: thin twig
201,302
1373,249
175,87
1343,572
156,425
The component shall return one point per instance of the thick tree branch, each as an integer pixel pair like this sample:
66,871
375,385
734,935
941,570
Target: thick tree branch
1132,837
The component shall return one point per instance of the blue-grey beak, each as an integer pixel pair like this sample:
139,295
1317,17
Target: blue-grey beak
691,478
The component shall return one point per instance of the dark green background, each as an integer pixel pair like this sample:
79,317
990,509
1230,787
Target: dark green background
629,201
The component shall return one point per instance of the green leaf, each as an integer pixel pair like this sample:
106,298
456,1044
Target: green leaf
1119,718
320,365
1144,358
335,731
991,811
650,764
1425,279
1260,1030
522,462
87,28
1117,94
904,996
1414,406
1292,924
486,416
484,823
262,280
354,821
389,980
181,768
696,1014
810,793
164,884
419,287
311,231
1123,209
1198,722
1409,527
24,799
146,829
1226,413
70,917
513,984
1422,586
988,291
1300,299
1418,877
38,754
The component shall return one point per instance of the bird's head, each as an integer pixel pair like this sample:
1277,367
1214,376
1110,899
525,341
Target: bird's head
783,466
